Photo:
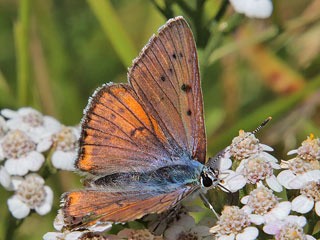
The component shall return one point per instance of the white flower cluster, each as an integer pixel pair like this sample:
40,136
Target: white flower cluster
26,138
262,210
253,8
254,171
94,232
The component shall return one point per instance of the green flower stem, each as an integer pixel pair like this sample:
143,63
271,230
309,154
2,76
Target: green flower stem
222,10
233,47
6,96
218,33
21,33
114,30
12,226
166,11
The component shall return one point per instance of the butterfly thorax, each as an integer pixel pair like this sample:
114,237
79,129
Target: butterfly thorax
172,176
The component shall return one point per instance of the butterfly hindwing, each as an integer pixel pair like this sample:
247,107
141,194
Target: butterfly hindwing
85,208
166,78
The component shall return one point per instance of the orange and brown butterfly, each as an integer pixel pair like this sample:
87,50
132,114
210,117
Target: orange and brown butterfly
143,144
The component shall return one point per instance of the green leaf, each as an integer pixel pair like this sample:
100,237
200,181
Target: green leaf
114,30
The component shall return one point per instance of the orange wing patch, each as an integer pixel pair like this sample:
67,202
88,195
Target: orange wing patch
117,131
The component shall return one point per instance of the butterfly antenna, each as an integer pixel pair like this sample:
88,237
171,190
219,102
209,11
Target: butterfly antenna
222,153
261,125
253,132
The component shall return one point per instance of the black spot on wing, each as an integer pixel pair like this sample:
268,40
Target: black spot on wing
139,129
186,88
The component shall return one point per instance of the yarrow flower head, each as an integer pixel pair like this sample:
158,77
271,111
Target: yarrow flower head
65,143
264,206
309,149
20,153
290,228
186,228
38,127
134,234
309,193
30,193
246,145
234,223
253,8
255,163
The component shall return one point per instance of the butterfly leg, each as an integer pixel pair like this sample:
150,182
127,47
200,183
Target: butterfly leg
165,219
207,203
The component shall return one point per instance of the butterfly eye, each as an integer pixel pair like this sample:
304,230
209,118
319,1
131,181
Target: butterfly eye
206,180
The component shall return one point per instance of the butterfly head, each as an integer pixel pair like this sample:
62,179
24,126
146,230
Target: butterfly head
209,177
210,174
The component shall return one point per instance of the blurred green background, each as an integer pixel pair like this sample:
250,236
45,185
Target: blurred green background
53,54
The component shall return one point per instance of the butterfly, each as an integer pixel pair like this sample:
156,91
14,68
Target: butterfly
143,144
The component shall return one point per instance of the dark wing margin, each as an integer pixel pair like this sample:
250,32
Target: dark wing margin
166,78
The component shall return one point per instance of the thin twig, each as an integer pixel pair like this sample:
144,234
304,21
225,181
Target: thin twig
167,12
221,12
187,9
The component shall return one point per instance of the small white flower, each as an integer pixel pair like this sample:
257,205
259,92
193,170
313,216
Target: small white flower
234,223
38,127
5,179
289,228
255,163
92,232
30,193
309,198
186,228
298,171
20,152
309,149
263,206
58,222
253,8
253,170
65,143
3,127
67,235
246,145
304,167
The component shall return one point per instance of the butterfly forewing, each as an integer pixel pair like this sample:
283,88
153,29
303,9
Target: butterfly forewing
166,78
118,135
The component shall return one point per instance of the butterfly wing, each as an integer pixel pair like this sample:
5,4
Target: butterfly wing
166,78
119,135
85,208
153,123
